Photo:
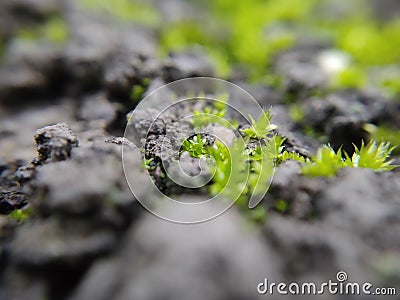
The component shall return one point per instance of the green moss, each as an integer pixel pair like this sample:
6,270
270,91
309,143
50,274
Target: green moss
220,61
285,155
54,30
372,156
351,77
391,85
21,215
249,34
326,163
296,112
384,133
195,146
273,80
149,164
282,206
241,33
239,172
126,10
254,37
262,127
138,90
370,43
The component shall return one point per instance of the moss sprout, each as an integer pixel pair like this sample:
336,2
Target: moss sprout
54,30
21,215
328,162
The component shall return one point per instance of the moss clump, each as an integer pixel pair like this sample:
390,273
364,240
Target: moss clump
328,162
138,90
54,30
384,133
296,112
21,215
391,85
371,43
243,33
126,10
214,113
281,206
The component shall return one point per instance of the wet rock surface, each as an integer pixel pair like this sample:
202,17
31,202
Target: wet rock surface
70,227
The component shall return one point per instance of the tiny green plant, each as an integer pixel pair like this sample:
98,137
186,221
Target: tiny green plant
286,155
384,133
326,163
214,113
372,156
138,90
54,30
244,168
261,127
282,206
127,10
149,164
21,215
196,146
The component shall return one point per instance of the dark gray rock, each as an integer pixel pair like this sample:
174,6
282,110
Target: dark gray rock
107,51
300,70
7,227
314,251
11,195
299,192
92,43
341,116
215,260
89,185
129,69
54,242
187,64
21,286
346,132
16,14
362,201
97,111
24,174
55,142
93,184
216,131
5,206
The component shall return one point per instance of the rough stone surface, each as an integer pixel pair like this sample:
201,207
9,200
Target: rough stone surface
191,64
55,142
